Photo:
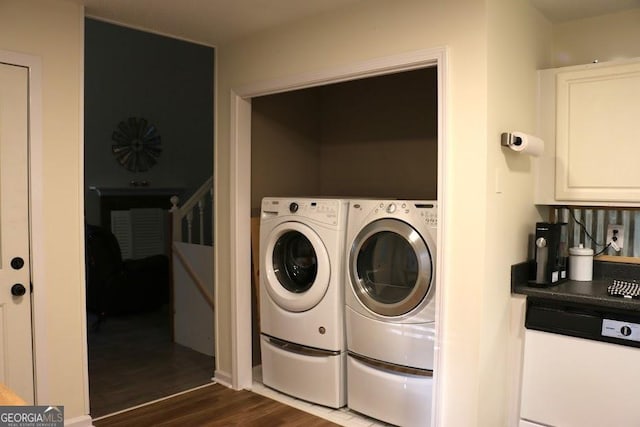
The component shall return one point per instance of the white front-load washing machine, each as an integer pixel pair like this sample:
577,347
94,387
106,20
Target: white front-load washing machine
390,309
302,341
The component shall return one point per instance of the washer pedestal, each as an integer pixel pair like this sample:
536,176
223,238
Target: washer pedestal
313,375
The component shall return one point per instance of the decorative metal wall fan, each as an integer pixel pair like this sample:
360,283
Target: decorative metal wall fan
137,146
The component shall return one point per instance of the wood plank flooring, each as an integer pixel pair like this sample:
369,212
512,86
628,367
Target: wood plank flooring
215,405
132,360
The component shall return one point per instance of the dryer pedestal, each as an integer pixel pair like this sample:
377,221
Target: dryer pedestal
398,398
404,344
317,376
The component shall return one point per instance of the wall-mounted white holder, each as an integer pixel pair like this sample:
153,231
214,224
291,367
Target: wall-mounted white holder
522,143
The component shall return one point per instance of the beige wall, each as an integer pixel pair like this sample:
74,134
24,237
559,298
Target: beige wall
605,38
483,80
521,41
285,134
519,44
380,137
53,31
494,52
375,137
364,31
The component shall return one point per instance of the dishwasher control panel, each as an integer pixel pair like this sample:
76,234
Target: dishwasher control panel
591,322
622,330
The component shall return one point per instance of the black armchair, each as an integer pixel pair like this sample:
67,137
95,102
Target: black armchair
116,286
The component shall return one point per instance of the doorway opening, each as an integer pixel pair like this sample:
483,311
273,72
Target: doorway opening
148,137
241,143
374,138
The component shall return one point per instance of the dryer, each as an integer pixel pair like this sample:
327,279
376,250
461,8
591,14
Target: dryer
390,308
302,341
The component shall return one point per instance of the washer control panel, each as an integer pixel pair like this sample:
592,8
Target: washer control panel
622,330
326,211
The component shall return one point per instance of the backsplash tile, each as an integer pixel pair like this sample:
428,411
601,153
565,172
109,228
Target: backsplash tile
596,221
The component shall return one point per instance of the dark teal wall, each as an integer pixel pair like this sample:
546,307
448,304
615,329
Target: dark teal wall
130,73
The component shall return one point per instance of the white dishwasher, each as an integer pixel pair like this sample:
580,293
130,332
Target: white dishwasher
581,366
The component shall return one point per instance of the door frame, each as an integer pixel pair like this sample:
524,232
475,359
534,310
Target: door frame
240,192
39,301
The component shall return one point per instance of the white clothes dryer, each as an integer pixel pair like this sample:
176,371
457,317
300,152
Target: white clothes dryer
302,341
390,308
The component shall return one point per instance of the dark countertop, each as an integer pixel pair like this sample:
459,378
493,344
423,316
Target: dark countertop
593,293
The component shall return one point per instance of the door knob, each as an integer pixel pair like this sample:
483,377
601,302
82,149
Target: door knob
17,263
18,290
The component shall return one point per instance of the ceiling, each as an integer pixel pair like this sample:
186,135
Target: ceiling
566,10
215,22
212,22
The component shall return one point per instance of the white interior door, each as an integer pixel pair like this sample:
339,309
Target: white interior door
16,357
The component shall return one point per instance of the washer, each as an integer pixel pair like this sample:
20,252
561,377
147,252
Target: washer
302,339
390,309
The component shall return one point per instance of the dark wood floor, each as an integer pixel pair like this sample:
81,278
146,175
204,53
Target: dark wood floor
133,361
215,405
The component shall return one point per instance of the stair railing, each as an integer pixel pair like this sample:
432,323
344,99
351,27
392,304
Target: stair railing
185,212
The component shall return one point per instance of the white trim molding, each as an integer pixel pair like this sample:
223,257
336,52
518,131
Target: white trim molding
240,187
83,421
359,70
216,228
241,369
223,378
444,169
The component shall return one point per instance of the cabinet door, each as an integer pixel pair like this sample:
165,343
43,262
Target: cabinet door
598,133
575,382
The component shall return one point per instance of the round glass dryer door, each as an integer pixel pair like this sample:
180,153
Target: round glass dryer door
390,267
297,267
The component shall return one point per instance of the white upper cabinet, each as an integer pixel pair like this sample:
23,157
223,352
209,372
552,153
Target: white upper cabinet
589,118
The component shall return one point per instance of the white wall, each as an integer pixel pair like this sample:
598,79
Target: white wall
53,31
364,31
193,318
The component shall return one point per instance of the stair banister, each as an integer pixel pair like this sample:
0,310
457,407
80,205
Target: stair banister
191,267
179,213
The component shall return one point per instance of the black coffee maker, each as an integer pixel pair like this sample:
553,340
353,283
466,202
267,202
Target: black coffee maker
550,264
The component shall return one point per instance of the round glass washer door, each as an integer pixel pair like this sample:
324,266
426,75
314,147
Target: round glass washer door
391,267
297,267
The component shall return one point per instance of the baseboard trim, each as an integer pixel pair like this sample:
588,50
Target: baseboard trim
223,378
83,421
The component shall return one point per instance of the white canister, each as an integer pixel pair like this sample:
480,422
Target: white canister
581,263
